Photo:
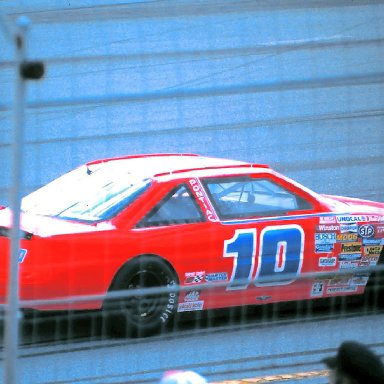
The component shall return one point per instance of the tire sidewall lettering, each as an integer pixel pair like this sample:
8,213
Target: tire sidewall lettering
170,306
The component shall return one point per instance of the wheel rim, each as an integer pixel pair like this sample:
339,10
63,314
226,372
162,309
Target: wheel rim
144,308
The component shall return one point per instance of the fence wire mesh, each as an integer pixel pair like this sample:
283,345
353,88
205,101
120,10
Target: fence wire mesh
294,84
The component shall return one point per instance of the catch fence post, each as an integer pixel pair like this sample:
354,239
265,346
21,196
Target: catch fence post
24,70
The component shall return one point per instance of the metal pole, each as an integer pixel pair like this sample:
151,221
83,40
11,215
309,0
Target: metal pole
12,308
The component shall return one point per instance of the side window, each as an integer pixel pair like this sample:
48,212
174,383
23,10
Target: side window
178,207
248,197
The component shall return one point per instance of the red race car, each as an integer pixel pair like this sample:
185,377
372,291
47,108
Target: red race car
199,232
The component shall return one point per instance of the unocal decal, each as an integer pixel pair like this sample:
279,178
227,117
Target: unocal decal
202,198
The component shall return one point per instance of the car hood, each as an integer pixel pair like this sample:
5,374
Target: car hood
353,205
45,226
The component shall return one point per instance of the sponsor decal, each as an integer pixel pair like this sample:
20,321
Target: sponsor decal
348,228
323,248
217,276
365,264
346,289
350,218
194,277
349,264
327,228
369,261
351,248
379,241
192,296
360,280
372,250
349,256
317,289
327,261
203,200
325,238
374,218
379,231
327,219
190,306
366,231
339,281
346,237
22,255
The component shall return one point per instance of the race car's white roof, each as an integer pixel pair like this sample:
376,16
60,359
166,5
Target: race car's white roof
167,164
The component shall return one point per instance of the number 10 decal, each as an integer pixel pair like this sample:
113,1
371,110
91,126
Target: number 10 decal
279,256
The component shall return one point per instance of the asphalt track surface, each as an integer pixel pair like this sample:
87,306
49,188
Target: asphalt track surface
258,346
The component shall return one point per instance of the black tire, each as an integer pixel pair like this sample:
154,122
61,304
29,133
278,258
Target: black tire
137,315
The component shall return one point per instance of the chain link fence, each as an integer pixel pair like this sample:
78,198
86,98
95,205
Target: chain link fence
294,84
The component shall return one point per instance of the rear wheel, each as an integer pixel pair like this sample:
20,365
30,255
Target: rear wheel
137,314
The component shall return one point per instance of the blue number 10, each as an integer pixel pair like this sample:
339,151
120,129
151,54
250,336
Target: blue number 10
279,258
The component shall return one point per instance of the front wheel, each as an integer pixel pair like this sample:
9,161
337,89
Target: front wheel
137,314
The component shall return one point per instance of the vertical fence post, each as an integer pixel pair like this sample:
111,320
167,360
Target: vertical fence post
12,308
24,70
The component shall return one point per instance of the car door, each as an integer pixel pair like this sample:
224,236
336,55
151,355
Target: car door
266,235
181,228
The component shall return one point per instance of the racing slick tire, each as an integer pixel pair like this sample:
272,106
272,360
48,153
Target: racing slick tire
139,315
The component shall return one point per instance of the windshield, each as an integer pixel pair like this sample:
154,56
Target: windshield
92,193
